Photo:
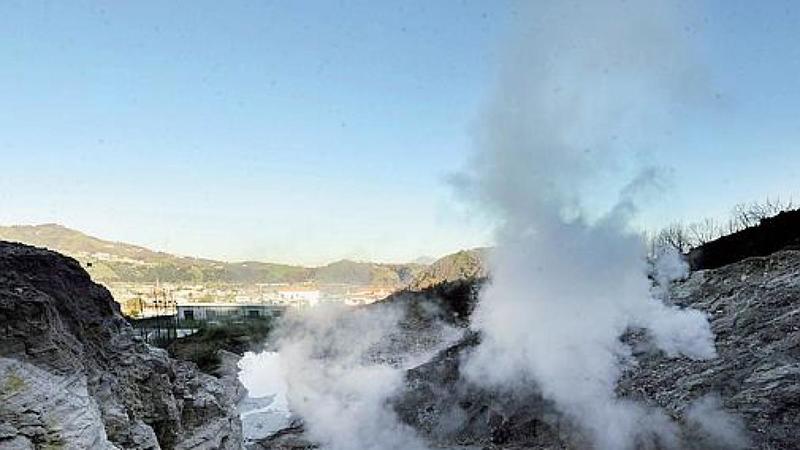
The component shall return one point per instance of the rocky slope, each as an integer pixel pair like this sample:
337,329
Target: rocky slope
754,308
73,375
747,397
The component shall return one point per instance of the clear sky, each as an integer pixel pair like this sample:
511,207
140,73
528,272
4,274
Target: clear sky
306,132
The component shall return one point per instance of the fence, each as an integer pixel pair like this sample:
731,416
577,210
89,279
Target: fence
157,330
164,329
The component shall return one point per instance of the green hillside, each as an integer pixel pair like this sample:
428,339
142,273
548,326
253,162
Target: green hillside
463,265
117,261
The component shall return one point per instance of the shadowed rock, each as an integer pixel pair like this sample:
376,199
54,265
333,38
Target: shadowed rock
74,375
772,234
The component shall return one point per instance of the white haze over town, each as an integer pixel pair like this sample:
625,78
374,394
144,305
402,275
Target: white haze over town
586,90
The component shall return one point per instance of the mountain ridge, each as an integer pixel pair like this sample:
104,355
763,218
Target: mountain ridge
123,262
116,261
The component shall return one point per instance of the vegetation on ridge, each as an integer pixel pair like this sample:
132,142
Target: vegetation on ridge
116,261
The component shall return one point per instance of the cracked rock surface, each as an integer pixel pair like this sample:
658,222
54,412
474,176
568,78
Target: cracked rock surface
73,374
754,310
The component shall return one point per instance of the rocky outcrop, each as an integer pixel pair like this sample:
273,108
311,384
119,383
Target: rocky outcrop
450,302
73,374
453,413
289,438
754,309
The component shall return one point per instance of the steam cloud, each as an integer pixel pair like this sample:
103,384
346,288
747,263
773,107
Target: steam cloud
589,86
341,371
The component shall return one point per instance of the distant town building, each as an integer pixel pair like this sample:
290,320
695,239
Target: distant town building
309,296
222,312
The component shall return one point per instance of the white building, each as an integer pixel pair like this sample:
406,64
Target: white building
217,312
308,296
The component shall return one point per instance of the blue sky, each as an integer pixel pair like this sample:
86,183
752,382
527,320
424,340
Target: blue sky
312,131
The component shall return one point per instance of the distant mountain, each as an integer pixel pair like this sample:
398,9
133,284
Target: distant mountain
110,261
462,265
425,260
70,241
367,273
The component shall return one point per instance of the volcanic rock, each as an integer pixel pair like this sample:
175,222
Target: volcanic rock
74,375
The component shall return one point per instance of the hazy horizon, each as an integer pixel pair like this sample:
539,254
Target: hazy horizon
306,133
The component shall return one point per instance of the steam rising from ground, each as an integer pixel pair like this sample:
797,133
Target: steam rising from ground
589,86
334,386
342,367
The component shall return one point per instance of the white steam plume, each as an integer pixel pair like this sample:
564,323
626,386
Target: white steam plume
341,370
589,87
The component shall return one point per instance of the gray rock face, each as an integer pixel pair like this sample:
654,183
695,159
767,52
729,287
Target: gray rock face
754,309
452,413
74,375
290,438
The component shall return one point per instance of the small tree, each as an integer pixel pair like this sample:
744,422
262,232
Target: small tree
744,215
132,307
704,231
675,236
749,215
